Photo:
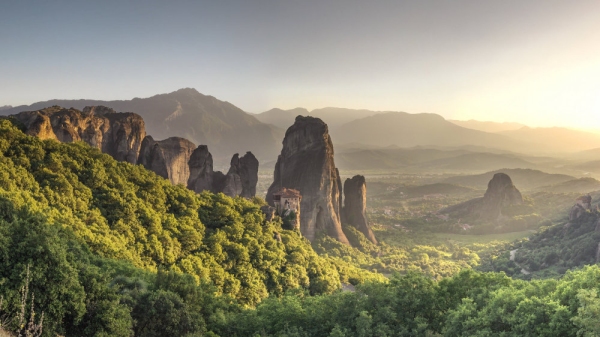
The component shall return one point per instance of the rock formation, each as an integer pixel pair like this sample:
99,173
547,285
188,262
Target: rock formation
306,164
582,205
269,212
118,134
201,170
500,193
242,176
355,206
123,136
168,158
240,180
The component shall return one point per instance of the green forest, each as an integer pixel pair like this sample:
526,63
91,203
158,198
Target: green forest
94,247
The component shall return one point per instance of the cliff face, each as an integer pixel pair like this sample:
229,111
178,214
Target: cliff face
201,170
240,180
117,134
168,158
202,119
242,176
123,136
355,206
306,164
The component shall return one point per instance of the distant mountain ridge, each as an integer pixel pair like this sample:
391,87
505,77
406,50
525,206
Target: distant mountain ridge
187,113
524,178
334,117
558,138
380,129
227,129
419,158
407,130
488,126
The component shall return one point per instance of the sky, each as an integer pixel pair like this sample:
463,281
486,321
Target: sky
536,62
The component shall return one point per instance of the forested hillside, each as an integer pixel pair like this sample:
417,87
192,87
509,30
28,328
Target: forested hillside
94,247
70,205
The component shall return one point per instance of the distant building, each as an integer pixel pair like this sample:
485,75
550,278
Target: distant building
287,201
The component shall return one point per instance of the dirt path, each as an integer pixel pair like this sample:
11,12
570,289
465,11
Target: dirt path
512,258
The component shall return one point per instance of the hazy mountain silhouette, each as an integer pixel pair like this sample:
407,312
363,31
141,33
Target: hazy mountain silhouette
281,118
408,130
590,166
426,158
478,162
368,128
186,113
333,117
591,153
487,126
581,186
526,179
556,138
5,107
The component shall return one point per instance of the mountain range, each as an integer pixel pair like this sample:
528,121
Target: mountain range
406,130
559,139
334,117
526,179
186,113
487,126
423,158
227,129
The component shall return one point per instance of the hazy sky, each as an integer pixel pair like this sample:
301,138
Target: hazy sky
535,62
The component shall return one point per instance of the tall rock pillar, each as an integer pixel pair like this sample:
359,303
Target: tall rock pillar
306,164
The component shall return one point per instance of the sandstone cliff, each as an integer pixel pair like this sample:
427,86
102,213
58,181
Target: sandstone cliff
117,134
355,206
306,164
168,158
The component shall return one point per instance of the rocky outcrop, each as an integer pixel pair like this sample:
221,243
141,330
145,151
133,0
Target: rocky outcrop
269,212
240,180
118,134
355,206
583,204
123,136
500,193
201,170
306,164
168,158
242,176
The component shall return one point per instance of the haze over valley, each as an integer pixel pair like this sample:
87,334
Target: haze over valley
261,168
